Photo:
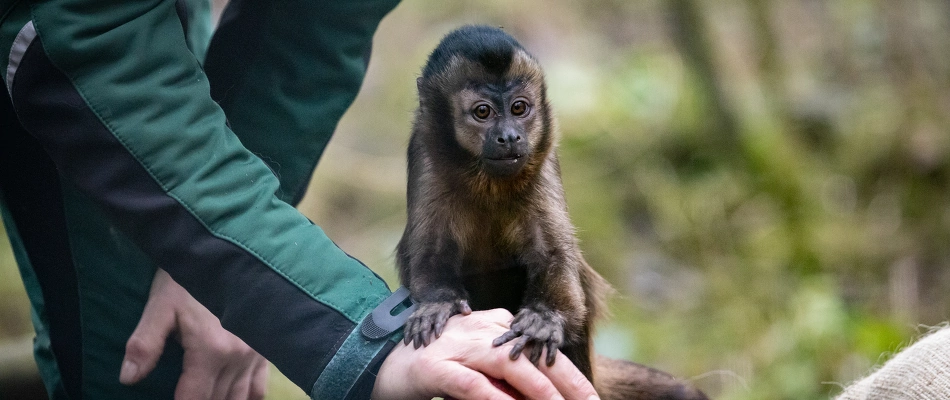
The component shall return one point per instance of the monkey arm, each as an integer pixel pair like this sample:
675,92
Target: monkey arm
430,267
553,311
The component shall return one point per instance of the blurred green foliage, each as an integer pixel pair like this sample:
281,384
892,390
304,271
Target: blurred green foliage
15,307
764,182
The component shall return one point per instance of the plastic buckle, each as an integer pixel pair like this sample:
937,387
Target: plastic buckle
381,322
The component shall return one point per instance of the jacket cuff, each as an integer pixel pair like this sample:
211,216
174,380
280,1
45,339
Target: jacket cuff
351,373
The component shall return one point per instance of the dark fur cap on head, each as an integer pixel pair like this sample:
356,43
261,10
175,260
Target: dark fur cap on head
488,46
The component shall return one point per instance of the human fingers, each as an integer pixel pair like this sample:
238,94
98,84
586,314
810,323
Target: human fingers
498,316
469,339
240,387
428,372
463,383
523,376
251,383
230,382
562,379
145,346
568,380
259,381
198,380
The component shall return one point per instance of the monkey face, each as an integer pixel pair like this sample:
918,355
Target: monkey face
483,107
495,125
498,119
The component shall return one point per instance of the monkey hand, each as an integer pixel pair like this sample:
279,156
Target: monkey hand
428,321
535,331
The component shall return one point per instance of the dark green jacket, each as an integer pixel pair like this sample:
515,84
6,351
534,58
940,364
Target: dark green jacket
139,157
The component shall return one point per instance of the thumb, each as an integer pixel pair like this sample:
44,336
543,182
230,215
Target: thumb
147,342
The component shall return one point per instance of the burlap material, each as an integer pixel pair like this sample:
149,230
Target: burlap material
919,372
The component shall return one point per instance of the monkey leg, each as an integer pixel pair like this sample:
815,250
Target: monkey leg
428,321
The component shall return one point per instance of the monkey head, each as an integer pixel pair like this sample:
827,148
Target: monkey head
484,97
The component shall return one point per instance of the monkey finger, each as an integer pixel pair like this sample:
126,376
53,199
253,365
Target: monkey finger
505,338
425,336
438,324
535,352
425,330
407,336
464,308
439,327
412,331
423,339
417,339
552,353
518,348
409,331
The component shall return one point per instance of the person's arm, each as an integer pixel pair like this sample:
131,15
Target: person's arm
123,109
285,72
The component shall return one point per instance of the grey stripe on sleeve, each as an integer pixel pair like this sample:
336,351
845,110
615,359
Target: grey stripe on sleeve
20,44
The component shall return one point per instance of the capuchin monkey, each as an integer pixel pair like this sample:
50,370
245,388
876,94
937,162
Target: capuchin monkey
487,221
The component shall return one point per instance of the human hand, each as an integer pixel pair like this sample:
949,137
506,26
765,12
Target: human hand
460,362
216,365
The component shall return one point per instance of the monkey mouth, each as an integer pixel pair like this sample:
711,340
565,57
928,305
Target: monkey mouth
506,165
510,158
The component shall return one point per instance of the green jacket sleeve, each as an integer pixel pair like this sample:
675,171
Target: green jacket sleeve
123,109
305,60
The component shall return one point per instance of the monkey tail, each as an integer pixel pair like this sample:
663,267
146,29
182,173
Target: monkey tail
625,380
597,290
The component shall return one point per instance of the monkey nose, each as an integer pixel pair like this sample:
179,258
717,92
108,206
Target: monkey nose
508,138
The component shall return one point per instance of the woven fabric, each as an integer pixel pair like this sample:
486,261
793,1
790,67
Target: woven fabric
920,372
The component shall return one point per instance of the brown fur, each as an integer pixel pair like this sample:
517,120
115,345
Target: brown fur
478,239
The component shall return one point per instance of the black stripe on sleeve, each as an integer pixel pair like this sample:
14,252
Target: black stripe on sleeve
32,194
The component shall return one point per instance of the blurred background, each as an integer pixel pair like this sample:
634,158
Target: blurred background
766,183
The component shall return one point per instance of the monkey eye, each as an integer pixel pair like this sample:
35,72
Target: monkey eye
481,111
518,108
